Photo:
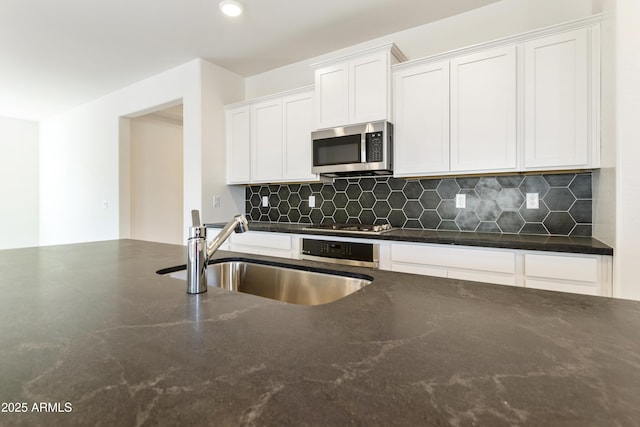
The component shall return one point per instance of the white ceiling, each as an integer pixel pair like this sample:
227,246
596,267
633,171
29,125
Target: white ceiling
56,54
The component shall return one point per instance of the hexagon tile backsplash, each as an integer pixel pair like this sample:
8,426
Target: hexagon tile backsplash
494,204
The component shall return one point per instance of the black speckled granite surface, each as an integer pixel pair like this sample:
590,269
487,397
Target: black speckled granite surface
583,245
92,328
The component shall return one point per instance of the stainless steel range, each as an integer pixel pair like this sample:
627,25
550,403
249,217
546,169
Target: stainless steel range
352,228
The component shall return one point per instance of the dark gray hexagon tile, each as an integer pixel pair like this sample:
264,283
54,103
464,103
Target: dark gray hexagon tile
328,192
340,184
488,227
534,215
559,199
327,208
381,190
283,207
294,215
340,216
510,222
381,209
367,216
510,199
316,216
304,219
274,200
340,200
397,199
294,188
488,188
396,183
413,224
367,199
559,223
413,209
581,186
581,211
397,218
255,214
284,192
534,184
316,187
447,210
510,181
367,184
413,189
264,191
430,220
582,230
448,188
247,193
305,192
534,228
430,199
353,208
430,184
467,183
558,180
274,215
448,226
488,210
294,200
255,200
353,191
273,188
305,209
467,220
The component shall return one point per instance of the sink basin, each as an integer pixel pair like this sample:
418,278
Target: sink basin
283,282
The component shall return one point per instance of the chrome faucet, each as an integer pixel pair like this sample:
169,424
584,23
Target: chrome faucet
198,252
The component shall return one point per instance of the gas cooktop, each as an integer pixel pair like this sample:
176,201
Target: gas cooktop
352,228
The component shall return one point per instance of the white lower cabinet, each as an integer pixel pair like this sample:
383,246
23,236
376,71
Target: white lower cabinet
264,243
564,272
580,274
465,263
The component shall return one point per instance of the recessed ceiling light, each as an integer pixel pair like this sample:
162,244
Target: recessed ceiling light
230,7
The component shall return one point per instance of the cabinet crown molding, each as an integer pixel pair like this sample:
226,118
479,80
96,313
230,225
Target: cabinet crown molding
513,39
270,96
391,47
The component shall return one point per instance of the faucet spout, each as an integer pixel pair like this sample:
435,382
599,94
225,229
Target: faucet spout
198,252
238,224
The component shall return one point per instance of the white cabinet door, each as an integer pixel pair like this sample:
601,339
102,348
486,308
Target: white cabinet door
332,95
266,141
421,132
297,116
483,111
556,101
238,145
369,88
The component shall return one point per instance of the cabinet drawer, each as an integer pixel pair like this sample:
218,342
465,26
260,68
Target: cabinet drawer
463,258
263,240
574,268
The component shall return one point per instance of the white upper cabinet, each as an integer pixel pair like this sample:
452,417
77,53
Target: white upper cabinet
483,111
297,116
421,133
266,141
355,88
238,145
269,140
557,101
526,103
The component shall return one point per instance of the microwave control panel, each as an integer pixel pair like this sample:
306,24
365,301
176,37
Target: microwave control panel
374,146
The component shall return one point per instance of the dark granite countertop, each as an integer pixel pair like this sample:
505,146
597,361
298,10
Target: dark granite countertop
92,329
583,245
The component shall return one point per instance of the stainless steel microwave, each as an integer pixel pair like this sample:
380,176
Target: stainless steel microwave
364,149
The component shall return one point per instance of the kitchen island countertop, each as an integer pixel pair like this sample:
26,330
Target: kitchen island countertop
93,333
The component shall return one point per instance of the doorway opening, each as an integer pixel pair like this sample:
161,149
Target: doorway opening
155,171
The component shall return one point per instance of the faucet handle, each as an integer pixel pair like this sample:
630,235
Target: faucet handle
195,218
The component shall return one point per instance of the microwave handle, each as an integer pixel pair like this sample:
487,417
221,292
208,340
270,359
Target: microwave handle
363,147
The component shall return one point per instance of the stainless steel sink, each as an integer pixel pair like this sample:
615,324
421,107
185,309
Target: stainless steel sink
283,282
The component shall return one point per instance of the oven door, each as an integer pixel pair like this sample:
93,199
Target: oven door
338,153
